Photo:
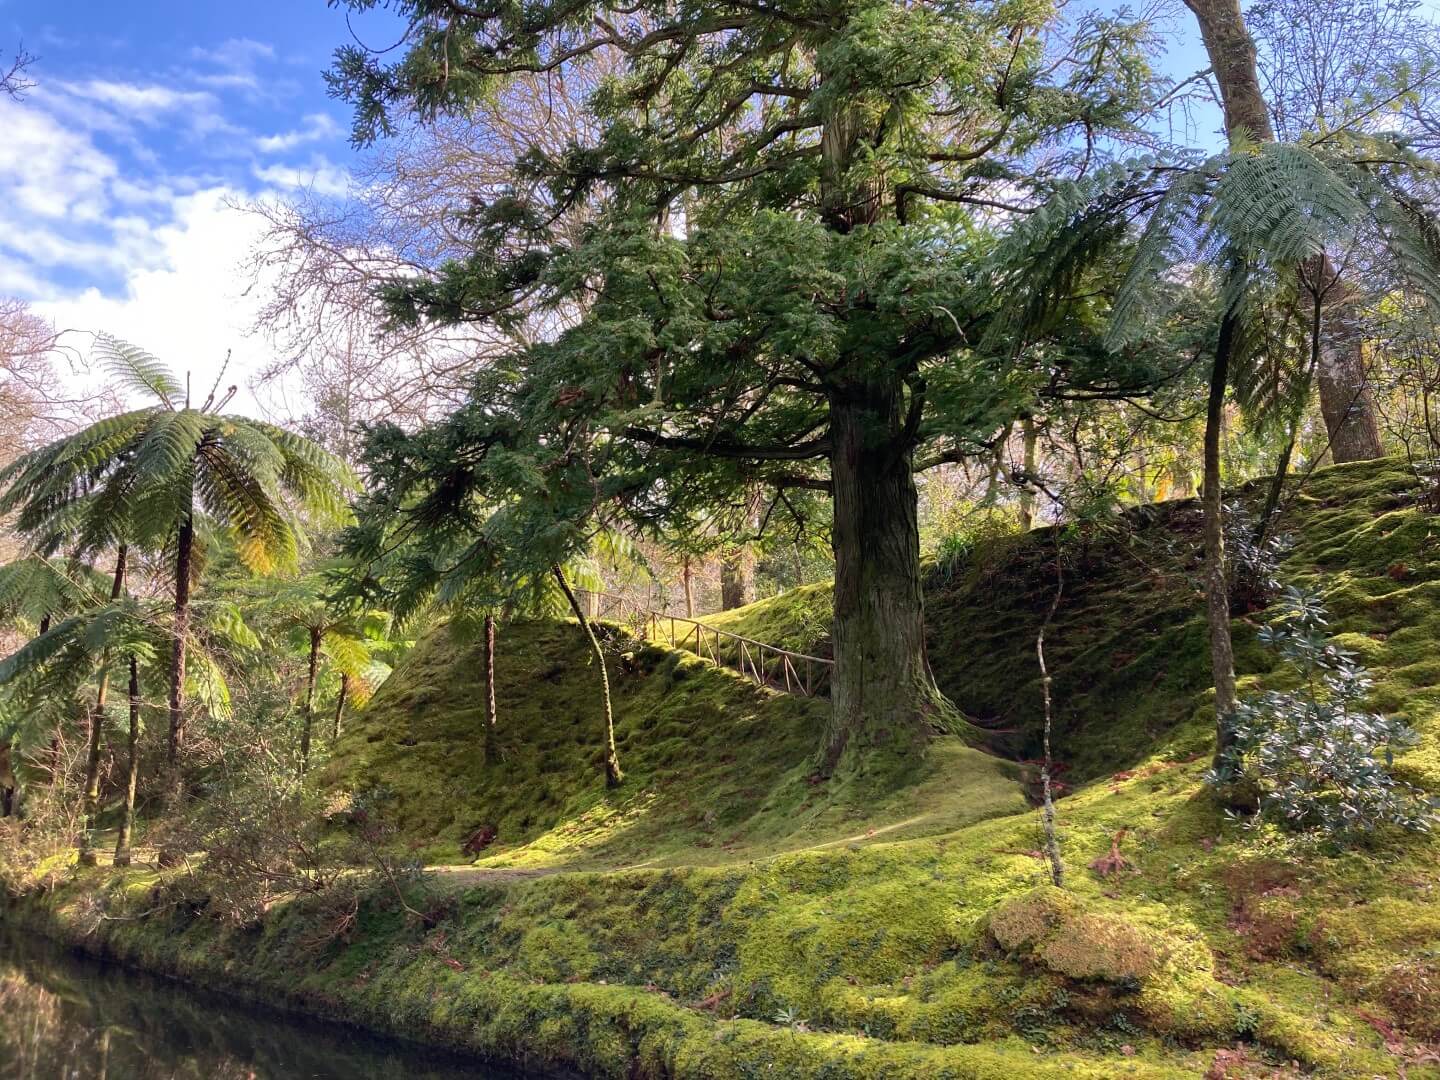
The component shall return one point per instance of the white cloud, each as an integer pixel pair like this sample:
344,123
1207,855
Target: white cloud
236,60
317,127
321,177
143,102
187,304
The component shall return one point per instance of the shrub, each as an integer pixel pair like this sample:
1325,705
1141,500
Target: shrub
1320,761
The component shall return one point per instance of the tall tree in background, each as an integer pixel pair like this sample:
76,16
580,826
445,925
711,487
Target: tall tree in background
807,330
1346,397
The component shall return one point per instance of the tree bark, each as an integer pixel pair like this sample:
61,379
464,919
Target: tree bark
96,732
1346,400
8,782
310,679
688,582
1031,443
881,689
613,775
184,551
737,565
340,706
132,770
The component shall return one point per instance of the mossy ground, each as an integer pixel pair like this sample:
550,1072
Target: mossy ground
722,916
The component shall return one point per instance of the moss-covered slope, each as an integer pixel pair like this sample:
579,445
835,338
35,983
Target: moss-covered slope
799,938
717,769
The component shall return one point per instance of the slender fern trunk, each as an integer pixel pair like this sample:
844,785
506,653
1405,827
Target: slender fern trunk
132,770
184,555
97,729
1217,586
340,706
311,678
613,775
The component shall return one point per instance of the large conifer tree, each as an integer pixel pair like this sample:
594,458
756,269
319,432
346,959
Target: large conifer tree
777,287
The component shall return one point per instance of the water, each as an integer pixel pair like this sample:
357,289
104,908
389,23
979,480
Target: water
63,1017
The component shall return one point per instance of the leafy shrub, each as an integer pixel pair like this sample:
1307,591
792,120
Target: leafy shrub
1320,761
1253,564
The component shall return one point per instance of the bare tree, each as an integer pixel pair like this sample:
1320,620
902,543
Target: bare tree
13,80
322,260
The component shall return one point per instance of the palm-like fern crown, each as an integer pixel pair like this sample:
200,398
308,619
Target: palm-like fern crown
1243,221
137,476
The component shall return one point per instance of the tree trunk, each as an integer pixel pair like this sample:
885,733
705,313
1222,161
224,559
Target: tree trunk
881,689
8,782
1346,399
490,711
737,565
310,679
737,579
340,706
1031,436
132,770
688,582
1217,586
613,775
97,729
184,550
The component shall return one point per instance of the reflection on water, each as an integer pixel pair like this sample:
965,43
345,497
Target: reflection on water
66,1018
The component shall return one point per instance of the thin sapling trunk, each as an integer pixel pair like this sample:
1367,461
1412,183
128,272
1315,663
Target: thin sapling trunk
613,775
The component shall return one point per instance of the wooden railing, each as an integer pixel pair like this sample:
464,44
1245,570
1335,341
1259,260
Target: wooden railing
780,669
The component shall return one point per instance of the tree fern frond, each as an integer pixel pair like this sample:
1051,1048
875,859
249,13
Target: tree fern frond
138,370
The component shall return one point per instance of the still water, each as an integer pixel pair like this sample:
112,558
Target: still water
67,1018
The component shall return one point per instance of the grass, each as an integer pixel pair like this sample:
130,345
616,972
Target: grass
723,916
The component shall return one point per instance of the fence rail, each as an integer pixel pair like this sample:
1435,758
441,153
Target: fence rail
768,665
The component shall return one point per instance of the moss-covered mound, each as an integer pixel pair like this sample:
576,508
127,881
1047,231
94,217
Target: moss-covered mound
721,916
717,769
1127,645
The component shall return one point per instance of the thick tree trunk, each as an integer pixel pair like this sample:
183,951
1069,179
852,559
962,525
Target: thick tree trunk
97,729
184,550
1346,399
613,775
311,678
490,711
340,706
1232,59
881,689
132,770
1217,586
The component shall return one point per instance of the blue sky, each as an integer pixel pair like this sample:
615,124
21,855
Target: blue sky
151,122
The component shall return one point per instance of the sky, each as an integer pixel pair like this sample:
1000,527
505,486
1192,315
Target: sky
124,171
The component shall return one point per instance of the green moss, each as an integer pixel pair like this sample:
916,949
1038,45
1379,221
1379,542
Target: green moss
724,915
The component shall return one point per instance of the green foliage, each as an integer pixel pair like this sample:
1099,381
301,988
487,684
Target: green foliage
1322,761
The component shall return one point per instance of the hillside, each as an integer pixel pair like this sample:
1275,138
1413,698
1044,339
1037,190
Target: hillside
725,915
